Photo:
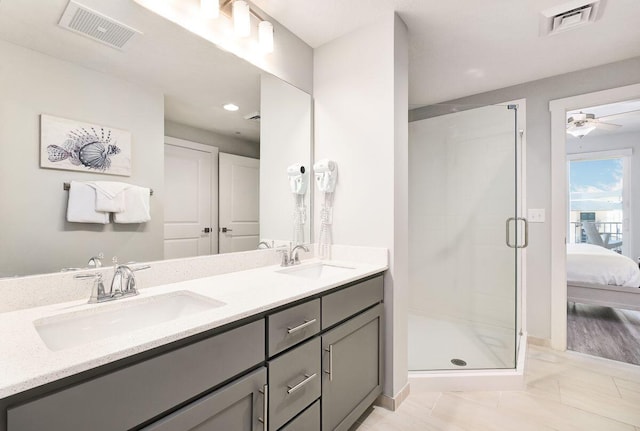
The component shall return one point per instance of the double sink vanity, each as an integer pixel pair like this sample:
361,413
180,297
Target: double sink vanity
270,348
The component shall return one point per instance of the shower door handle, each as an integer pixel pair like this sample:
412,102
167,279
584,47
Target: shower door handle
507,236
508,233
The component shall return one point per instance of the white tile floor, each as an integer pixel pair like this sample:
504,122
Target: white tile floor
565,391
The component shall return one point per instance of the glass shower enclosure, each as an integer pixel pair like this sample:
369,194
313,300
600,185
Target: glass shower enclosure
466,237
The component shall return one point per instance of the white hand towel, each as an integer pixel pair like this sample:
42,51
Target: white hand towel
81,207
110,195
136,203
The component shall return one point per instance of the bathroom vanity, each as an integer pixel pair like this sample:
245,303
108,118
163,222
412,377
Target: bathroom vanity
308,361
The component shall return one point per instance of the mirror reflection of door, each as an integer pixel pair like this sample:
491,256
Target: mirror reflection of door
239,188
190,204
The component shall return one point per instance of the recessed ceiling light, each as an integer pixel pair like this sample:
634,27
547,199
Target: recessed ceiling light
231,107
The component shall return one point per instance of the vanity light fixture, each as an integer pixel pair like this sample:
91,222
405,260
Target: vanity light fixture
265,36
210,8
231,107
241,18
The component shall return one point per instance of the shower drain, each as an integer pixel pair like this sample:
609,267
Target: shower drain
459,362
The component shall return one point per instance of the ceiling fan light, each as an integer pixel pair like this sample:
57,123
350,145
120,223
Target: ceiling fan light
241,18
580,131
210,8
265,36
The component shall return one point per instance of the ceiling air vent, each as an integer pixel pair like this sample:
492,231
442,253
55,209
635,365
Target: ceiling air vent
569,16
81,19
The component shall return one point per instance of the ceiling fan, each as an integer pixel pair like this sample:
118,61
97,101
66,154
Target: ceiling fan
580,124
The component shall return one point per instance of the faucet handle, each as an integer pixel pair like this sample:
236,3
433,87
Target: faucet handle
285,256
97,291
140,268
97,275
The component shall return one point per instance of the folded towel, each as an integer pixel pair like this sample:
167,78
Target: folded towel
136,203
109,195
82,205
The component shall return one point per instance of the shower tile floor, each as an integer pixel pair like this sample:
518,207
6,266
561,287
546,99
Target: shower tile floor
564,391
434,342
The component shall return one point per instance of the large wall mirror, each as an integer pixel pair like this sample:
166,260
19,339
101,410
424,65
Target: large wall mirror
167,87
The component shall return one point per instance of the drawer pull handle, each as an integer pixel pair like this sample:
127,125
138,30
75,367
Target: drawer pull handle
265,407
330,370
301,326
307,379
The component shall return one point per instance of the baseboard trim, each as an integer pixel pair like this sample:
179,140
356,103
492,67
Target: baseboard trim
392,403
536,341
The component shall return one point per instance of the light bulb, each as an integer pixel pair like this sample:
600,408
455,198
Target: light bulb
241,18
265,36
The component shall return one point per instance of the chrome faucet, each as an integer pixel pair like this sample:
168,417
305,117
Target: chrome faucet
293,254
123,284
265,243
96,261
290,257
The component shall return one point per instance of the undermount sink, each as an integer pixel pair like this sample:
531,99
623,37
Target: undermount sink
74,329
317,271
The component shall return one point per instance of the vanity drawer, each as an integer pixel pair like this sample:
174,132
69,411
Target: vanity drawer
309,420
130,396
338,306
293,325
294,382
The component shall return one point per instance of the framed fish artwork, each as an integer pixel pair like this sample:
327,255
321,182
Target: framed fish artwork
76,146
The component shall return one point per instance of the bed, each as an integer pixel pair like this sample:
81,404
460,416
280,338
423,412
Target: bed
596,275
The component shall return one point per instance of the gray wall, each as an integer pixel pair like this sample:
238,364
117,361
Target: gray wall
538,94
360,121
34,234
225,144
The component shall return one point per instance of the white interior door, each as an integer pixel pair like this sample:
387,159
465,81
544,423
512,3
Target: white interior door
189,228
239,203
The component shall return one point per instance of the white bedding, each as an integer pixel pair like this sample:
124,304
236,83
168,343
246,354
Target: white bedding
588,263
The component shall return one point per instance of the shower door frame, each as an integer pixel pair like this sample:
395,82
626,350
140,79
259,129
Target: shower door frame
520,163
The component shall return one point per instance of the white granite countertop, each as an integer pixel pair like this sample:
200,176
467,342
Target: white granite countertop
26,362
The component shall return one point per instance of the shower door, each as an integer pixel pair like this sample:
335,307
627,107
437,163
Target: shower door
465,237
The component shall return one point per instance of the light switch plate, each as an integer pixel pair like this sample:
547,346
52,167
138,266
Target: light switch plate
535,215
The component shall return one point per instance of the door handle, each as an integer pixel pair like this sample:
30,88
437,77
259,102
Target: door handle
307,379
265,407
330,370
301,326
526,232
225,230
506,232
206,230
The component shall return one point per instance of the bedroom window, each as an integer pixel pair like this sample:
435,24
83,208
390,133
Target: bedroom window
598,199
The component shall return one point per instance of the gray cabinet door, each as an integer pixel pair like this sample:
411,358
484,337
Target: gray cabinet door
352,369
237,406
344,303
294,382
